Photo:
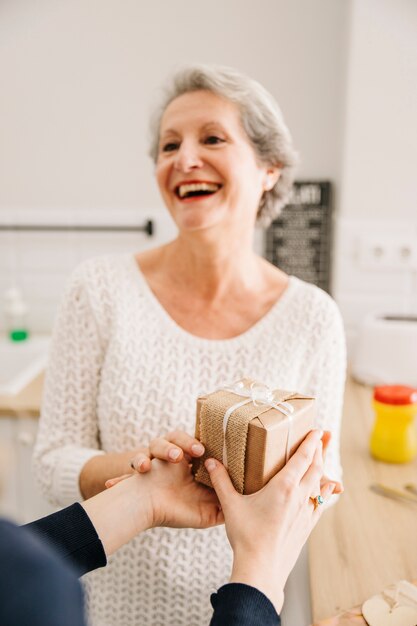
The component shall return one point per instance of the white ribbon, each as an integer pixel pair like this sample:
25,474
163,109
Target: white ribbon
259,395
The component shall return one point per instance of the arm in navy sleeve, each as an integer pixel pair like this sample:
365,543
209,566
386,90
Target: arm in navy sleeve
236,604
36,587
73,537
39,586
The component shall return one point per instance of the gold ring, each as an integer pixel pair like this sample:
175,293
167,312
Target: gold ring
316,500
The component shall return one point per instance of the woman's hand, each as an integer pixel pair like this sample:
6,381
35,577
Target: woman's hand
327,435
166,496
174,447
177,499
178,445
268,529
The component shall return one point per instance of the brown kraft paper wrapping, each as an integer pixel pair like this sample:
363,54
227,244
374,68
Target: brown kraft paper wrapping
256,435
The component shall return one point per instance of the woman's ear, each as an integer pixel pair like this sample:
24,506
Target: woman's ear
272,175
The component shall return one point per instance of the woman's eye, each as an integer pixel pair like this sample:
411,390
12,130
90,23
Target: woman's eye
169,147
213,139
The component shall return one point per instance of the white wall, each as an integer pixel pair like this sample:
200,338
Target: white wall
380,143
376,245
79,80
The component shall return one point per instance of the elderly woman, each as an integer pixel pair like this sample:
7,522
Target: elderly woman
139,337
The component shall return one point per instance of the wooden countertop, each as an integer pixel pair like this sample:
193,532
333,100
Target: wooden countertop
365,542
26,403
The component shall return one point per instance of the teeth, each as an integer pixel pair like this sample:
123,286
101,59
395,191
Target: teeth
193,187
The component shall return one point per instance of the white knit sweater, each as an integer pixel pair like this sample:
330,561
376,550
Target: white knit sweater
121,372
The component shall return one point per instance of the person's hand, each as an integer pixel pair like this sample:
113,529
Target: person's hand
174,447
177,499
327,435
178,445
268,529
165,496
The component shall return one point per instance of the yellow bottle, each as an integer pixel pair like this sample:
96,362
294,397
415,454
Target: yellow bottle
394,437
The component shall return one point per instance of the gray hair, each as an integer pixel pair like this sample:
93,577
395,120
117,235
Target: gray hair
261,119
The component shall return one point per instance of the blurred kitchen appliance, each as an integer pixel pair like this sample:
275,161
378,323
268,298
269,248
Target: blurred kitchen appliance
386,350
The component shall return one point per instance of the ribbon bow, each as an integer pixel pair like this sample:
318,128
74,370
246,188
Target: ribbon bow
259,395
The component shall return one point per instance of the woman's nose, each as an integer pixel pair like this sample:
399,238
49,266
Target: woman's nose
187,158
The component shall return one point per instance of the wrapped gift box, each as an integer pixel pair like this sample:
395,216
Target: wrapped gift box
252,429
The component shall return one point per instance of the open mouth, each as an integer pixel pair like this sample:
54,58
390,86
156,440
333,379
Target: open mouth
196,190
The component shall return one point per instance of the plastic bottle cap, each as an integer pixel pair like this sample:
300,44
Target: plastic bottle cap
395,394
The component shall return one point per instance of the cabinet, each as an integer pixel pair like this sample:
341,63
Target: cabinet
8,468
20,497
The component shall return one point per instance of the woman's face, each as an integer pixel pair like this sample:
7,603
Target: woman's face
207,170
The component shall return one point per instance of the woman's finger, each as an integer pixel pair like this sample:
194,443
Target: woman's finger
165,451
302,458
326,492
221,482
314,472
174,445
113,481
141,463
190,445
327,435
338,485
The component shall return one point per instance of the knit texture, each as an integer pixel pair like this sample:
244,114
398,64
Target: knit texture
73,537
241,604
122,372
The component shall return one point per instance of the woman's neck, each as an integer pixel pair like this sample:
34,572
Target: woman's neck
210,268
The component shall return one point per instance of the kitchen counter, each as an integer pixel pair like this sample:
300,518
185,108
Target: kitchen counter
26,403
366,541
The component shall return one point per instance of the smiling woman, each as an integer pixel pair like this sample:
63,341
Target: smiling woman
138,338
206,163
258,116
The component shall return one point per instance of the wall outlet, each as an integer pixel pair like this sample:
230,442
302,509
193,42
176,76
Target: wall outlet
387,251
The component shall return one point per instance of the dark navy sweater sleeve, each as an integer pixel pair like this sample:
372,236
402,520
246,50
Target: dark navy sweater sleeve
73,536
36,587
236,604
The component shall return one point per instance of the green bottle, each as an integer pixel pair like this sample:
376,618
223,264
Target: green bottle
16,312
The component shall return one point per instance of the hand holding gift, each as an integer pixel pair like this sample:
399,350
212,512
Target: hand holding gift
267,529
252,430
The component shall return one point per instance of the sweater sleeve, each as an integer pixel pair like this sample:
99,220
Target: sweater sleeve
36,587
236,604
68,430
327,374
73,537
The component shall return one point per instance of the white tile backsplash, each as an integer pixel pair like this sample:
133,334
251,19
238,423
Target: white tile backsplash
413,298
42,315
42,286
39,263
8,252
360,290
88,245
45,252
